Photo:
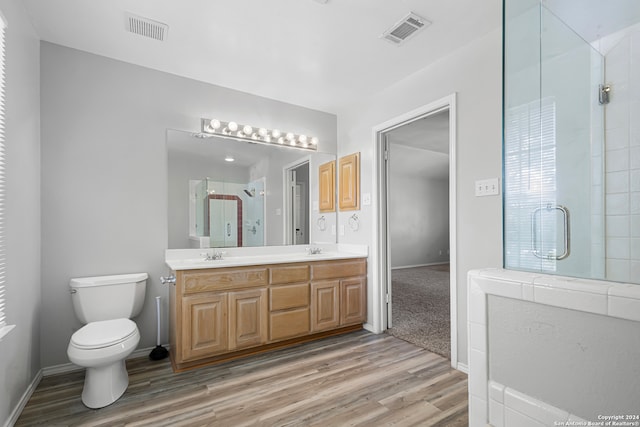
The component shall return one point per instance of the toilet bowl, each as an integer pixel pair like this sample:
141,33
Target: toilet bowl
102,347
105,304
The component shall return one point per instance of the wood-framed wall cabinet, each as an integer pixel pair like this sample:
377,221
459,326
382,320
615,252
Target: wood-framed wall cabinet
327,191
349,182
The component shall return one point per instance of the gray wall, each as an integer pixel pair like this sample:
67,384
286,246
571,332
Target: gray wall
418,218
104,177
583,363
474,73
20,350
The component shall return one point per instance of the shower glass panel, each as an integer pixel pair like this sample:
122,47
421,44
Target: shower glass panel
571,172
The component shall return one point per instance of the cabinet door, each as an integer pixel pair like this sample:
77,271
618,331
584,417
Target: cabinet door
349,182
327,179
353,301
325,305
204,325
248,314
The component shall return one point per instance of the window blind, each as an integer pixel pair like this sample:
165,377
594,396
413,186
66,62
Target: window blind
530,183
3,320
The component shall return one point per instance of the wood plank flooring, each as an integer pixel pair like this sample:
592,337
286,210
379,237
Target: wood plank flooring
357,379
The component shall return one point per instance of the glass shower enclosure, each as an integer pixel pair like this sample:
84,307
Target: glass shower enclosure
571,137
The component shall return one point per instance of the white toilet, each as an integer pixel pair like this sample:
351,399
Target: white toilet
105,304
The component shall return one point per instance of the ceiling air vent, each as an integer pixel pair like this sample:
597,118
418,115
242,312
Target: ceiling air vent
405,29
145,27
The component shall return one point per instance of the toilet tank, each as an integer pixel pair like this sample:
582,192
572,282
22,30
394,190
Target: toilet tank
108,297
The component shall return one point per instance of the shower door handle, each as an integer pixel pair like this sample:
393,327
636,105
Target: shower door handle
566,234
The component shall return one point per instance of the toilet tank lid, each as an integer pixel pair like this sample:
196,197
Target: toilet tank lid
108,280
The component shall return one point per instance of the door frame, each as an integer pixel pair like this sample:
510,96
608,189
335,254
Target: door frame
383,270
287,219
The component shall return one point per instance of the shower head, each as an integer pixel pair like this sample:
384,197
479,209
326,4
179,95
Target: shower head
251,192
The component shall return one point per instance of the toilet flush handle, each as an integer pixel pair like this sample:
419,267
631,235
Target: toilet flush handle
171,280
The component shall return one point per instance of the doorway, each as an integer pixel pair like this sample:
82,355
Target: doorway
297,204
417,234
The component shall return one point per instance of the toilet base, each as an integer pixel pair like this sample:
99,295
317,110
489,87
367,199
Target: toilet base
104,385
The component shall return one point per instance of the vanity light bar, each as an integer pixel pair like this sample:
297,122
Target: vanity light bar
248,133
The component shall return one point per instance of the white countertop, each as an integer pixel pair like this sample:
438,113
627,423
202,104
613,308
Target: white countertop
191,259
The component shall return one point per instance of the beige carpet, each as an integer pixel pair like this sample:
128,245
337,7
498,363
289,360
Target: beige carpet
420,307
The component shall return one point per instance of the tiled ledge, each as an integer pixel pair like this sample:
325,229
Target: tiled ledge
605,298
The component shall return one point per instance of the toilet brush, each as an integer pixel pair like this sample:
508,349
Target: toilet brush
159,352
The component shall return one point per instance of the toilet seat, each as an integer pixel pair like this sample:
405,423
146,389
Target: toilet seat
105,333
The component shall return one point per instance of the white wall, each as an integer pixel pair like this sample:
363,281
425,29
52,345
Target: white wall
474,73
104,177
20,350
418,218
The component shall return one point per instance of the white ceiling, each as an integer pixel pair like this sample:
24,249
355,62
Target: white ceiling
322,56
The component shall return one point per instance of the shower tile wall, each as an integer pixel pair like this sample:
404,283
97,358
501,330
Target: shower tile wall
622,158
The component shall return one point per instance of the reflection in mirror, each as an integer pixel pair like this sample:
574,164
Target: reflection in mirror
228,193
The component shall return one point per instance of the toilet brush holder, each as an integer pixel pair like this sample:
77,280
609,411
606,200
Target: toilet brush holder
159,352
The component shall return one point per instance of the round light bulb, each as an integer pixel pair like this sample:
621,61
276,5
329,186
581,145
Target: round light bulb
262,132
233,126
281,140
267,138
240,134
276,133
303,139
255,137
215,124
290,137
247,130
314,141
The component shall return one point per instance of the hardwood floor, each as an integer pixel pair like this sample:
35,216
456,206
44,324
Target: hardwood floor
354,379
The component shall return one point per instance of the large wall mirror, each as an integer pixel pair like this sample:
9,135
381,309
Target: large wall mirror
229,193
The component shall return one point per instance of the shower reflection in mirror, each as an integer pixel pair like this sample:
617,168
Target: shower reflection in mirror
226,214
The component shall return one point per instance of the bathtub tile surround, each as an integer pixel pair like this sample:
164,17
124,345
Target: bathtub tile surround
499,404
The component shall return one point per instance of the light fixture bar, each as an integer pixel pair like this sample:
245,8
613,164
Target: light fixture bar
255,135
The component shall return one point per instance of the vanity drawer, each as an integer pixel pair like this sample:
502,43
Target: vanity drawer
289,274
289,324
338,269
223,279
288,296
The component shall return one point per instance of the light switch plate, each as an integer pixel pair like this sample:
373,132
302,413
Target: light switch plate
366,199
316,206
488,187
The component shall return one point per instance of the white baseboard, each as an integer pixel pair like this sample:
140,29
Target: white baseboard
15,414
65,368
463,368
420,265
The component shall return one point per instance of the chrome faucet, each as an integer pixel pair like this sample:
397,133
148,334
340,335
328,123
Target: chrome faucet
314,251
214,255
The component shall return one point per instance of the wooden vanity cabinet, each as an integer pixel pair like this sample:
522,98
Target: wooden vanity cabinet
204,329
247,318
289,301
339,294
225,313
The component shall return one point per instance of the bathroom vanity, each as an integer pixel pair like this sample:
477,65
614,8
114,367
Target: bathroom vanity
241,305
